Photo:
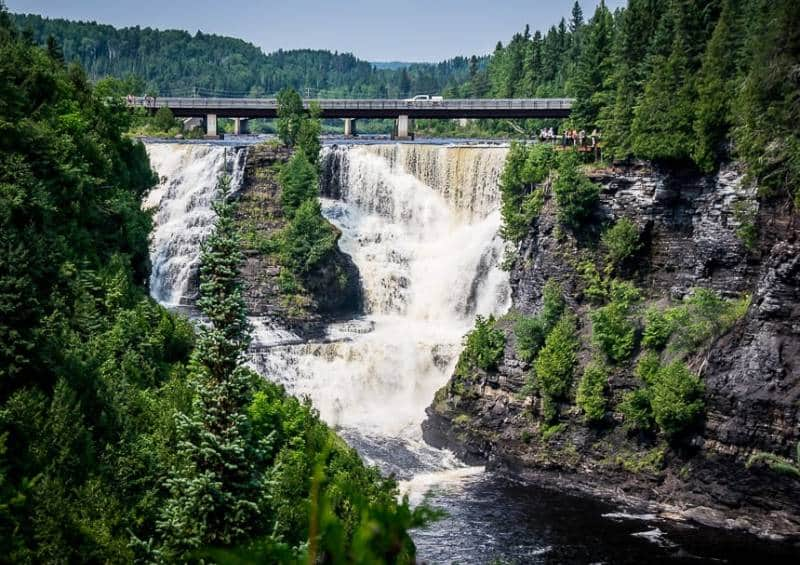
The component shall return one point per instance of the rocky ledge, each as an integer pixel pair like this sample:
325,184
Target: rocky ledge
738,468
330,292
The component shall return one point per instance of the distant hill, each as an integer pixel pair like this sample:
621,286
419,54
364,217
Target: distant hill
175,62
391,65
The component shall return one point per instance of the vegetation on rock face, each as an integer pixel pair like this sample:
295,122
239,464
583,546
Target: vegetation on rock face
591,394
613,327
531,332
575,194
483,347
526,168
554,367
621,241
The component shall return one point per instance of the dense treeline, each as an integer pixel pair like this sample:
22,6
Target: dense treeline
681,81
125,434
177,63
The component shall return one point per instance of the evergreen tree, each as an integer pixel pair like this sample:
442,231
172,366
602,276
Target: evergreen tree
576,21
215,489
662,125
591,83
768,106
299,182
290,116
716,86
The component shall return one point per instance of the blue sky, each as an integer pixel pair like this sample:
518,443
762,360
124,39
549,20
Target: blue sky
401,30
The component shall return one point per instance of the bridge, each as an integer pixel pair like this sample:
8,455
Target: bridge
403,111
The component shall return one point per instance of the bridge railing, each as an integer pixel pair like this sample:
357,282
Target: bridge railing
359,104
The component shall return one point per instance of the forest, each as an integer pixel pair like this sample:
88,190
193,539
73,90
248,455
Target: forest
126,432
177,63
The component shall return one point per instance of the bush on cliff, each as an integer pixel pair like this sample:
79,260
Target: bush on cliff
532,331
591,395
613,325
526,167
483,347
575,194
555,365
621,242
677,398
299,182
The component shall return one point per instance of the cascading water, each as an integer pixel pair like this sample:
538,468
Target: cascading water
183,216
428,258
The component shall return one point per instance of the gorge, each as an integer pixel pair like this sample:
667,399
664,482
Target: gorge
421,225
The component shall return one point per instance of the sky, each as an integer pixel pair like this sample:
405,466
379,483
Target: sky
400,30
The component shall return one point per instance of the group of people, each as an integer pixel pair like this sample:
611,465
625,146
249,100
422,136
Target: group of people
570,137
149,101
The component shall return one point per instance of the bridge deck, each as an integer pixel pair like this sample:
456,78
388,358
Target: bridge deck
368,108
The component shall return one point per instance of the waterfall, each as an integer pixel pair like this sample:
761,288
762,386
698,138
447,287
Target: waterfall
421,223
183,217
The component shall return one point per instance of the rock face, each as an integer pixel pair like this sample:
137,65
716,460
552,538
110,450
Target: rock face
331,291
728,472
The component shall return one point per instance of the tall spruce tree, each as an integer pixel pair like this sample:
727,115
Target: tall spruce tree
591,82
716,87
215,488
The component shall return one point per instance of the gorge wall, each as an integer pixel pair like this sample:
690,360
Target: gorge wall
736,469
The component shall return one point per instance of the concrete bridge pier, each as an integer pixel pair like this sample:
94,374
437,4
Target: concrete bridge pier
350,127
211,125
404,128
240,126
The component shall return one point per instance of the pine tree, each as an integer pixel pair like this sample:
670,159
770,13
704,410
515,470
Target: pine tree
662,125
299,182
290,116
716,84
214,491
591,81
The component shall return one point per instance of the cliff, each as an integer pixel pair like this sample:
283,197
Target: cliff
304,305
737,466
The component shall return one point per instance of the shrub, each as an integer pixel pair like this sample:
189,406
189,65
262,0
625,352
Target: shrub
613,331
636,410
525,167
657,329
483,347
595,286
591,396
648,366
621,241
531,332
556,362
677,398
575,194
703,316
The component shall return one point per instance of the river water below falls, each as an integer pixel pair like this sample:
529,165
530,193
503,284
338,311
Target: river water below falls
421,223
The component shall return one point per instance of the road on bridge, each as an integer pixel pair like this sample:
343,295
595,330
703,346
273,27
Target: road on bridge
366,108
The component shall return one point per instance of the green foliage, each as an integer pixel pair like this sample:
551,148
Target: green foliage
526,167
555,364
531,331
483,347
591,395
775,463
290,116
636,410
648,367
308,239
658,328
677,398
704,315
746,215
299,182
621,241
179,63
613,325
164,120
575,194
